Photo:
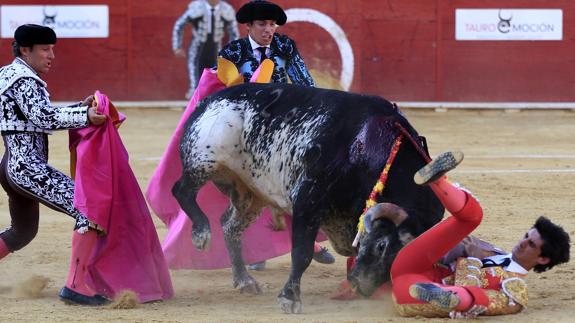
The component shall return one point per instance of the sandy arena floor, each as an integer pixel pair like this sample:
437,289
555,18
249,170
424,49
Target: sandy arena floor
520,164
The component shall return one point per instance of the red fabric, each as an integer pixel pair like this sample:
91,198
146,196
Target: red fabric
82,248
452,198
415,263
129,255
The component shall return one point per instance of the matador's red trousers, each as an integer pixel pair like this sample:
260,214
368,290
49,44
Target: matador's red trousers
415,263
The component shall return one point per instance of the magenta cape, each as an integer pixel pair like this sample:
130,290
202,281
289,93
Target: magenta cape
259,241
129,256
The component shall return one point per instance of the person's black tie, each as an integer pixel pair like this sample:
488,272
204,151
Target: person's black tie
263,55
213,22
491,263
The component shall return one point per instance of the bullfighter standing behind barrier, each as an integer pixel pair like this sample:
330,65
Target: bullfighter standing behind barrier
262,19
209,19
26,120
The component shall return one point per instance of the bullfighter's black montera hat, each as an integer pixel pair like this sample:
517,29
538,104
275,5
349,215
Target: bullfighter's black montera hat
261,10
29,35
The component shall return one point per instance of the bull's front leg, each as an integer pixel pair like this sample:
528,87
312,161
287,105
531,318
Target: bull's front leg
237,218
304,233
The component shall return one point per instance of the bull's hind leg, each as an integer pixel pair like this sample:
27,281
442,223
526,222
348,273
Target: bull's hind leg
243,211
185,191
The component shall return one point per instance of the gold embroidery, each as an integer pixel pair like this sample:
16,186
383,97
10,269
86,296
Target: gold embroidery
467,272
507,297
516,289
425,310
499,304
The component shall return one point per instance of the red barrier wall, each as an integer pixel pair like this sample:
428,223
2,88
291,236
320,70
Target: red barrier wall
403,50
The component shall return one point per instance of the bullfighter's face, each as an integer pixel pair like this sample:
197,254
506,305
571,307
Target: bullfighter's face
527,252
262,31
39,57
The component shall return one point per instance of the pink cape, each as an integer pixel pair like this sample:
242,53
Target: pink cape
129,255
259,241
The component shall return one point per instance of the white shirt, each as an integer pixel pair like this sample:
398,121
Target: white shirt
512,267
257,53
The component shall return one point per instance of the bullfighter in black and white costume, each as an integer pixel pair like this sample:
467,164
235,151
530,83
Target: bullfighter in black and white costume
209,20
246,53
26,119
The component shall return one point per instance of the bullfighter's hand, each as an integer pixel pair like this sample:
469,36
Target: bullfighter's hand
473,247
89,101
96,118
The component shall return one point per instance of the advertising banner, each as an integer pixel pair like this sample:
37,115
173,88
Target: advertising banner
68,21
508,24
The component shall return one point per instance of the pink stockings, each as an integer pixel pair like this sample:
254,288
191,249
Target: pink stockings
451,196
82,249
316,247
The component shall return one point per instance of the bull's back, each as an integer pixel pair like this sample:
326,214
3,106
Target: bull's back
281,134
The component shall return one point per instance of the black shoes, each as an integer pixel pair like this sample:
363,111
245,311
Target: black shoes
438,167
71,297
435,295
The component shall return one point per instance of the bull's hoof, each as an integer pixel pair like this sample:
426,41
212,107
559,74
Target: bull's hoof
248,286
201,238
289,306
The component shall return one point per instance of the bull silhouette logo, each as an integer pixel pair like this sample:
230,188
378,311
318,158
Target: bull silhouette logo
504,25
49,16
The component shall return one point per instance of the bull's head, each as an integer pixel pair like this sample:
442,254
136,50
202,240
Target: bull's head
386,231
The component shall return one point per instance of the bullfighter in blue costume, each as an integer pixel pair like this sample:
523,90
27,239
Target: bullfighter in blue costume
262,19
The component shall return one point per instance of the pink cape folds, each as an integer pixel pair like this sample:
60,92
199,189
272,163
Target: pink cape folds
129,255
259,241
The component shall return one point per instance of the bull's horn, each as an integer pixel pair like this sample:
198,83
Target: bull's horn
390,211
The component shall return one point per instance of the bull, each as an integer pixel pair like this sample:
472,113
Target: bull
312,153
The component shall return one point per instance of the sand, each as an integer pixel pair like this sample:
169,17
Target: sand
520,165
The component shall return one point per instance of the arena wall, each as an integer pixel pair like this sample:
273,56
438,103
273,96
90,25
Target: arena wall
402,50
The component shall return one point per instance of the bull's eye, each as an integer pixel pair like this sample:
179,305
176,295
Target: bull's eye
380,246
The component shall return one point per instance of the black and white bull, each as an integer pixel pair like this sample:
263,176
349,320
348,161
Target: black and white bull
312,153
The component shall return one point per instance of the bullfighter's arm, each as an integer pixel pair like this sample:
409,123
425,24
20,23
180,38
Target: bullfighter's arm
471,246
36,107
178,31
509,298
195,11
295,67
